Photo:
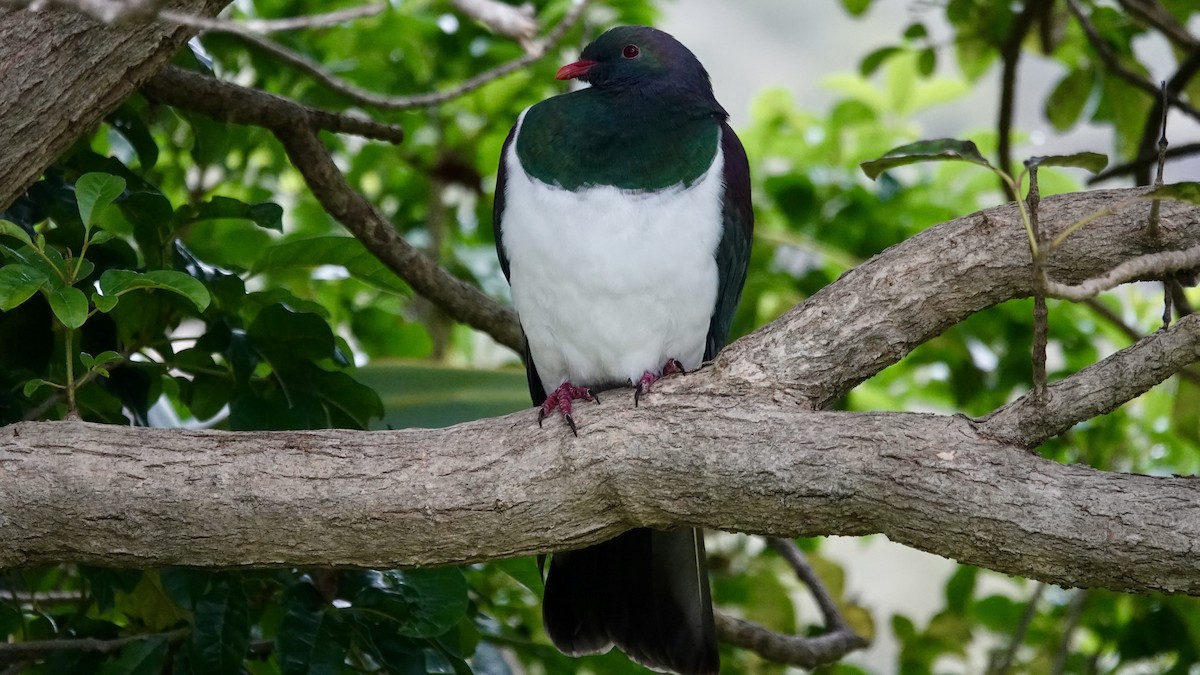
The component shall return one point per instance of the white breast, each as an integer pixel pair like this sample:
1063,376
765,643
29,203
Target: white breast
611,283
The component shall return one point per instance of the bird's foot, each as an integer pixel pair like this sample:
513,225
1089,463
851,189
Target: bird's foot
670,368
561,399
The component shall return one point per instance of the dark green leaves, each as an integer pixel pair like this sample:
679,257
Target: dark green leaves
70,306
115,283
95,191
422,603
267,214
1092,161
220,629
346,252
313,637
940,149
18,283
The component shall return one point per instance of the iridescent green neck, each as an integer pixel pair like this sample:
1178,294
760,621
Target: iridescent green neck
590,138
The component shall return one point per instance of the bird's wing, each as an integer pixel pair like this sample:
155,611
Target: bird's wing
733,251
536,391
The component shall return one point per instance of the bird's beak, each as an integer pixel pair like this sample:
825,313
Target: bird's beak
573,70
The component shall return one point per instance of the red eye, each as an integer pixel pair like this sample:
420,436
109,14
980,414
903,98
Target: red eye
630,51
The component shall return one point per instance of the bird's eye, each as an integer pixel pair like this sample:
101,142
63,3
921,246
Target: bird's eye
630,51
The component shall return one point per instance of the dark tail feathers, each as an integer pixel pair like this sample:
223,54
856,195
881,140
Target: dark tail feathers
645,591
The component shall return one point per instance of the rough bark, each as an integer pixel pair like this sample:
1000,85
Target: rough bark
738,446
61,72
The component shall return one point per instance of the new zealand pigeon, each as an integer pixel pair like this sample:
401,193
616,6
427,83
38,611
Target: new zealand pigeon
623,224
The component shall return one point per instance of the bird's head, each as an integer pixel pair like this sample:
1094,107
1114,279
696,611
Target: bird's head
634,56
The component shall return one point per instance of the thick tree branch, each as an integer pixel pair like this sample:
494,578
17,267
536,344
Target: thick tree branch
1100,388
62,73
878,312
131,497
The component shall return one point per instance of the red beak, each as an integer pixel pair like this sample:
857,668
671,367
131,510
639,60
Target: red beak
574,70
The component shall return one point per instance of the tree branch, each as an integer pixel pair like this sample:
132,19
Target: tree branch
296,127
1099,388
1114,64
368,98
228,102
62,73
881,310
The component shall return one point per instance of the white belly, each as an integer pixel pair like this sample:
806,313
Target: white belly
609,283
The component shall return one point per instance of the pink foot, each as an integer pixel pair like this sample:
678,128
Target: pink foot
561,400
670,368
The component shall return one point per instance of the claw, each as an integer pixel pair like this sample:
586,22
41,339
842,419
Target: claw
671,367
561,399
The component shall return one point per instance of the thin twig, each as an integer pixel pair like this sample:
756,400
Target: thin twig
1010,53
39,647
229,102
1113,62
790,552
368,98
1149,266
260,26
1157,17
1074,613
1142,161
1005,660
1041,316
803,651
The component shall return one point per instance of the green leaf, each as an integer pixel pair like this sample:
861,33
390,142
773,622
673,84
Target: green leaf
915,31
524,570
33,385
266,214
94,191
14,230
424,602
70,306
312,640
104,303
87,360
871,62
220,630
1180,192
856,7
101,236
284,334
1092,161
1068,98
140,657
116,281
937,150
960,587
18,283
347,252
926,61
127,121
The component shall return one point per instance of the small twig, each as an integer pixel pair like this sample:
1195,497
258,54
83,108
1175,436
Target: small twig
789,551
1010,53
1149,266
229,102
1004,662
1074,613
1041,316
260,26
1113,62
803,651
39,647
372,99
1142,161
1156,16
41,596
516,23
